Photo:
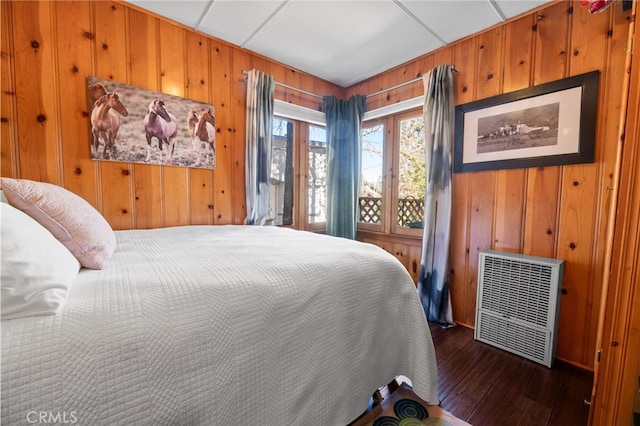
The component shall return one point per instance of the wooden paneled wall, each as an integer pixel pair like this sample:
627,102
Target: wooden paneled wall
559,212
46,57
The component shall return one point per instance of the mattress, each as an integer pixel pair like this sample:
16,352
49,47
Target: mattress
208,325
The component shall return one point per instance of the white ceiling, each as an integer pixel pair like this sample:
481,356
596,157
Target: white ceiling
342,41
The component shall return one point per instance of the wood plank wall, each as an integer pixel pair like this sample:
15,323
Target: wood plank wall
46,58
559,212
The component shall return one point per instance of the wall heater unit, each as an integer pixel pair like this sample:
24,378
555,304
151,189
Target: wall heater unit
518,304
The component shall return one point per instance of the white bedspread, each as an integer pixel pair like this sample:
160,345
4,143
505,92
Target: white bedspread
221,325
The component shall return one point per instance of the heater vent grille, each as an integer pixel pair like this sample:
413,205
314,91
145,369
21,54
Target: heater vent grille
518,289
521,339
518,303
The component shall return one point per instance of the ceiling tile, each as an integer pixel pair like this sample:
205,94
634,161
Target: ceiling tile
235,21
453,20
185,12
512,8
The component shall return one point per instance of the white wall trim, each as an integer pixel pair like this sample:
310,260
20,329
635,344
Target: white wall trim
297,112
394,108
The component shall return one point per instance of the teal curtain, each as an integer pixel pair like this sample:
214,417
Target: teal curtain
259,121
433,281
344,140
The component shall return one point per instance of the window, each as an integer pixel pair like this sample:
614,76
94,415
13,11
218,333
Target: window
393,175
298,186
391,198
410,182
372,178
317,175
281,185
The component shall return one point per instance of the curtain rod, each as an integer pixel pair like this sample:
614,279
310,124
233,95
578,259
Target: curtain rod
397,86
286,86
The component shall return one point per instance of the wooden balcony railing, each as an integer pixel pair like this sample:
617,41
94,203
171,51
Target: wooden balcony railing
410,211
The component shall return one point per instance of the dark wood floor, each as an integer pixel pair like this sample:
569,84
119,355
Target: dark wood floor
486,386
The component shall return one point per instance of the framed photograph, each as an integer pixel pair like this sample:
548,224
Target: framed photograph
545,125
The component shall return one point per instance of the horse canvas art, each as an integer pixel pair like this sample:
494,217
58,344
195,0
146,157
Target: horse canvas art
131,124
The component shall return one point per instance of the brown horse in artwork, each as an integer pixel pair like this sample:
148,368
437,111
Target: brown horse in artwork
205,134
192,122
162,125
105,122
95,92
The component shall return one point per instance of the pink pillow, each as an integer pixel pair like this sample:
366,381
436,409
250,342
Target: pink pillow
72,220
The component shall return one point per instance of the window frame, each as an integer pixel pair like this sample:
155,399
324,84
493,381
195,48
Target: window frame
390,116
304,177
395,176
385,220
293,171
300,176
391,170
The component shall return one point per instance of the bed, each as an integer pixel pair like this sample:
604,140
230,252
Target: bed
225,324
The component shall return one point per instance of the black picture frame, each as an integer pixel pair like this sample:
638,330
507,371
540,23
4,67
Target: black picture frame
546,125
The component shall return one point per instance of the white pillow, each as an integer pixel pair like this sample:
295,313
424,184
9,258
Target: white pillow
70,218
37,270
